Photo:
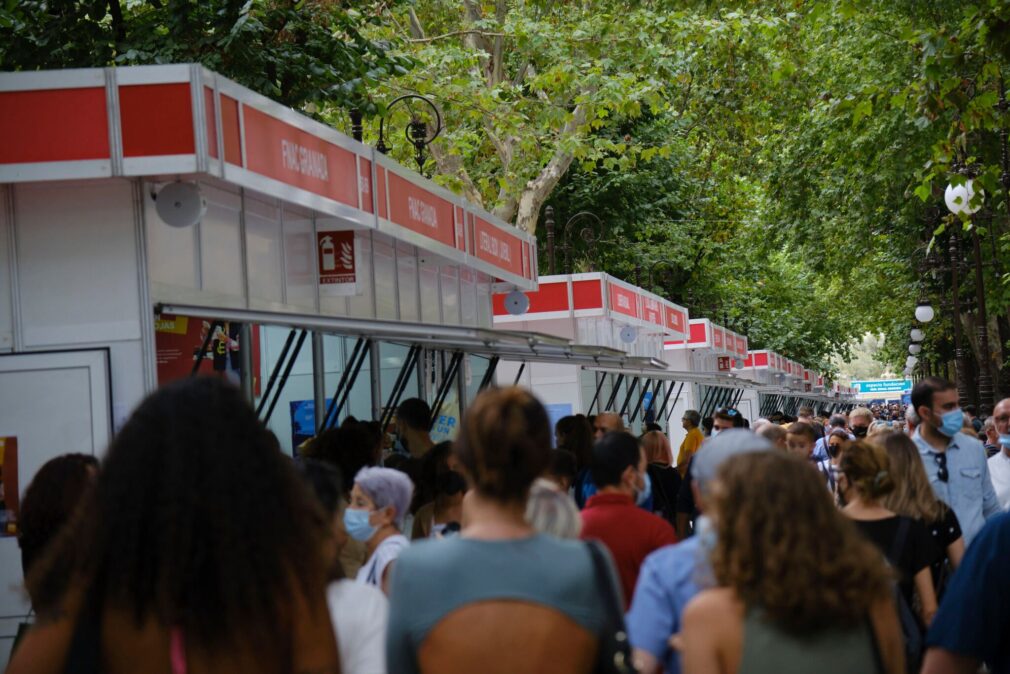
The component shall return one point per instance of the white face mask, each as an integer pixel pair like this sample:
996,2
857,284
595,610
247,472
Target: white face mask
715,432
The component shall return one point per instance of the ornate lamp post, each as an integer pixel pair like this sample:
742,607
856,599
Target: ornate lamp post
589,235
416,131
963,200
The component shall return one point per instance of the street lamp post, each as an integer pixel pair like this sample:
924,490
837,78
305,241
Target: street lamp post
416,131
589,236
959,365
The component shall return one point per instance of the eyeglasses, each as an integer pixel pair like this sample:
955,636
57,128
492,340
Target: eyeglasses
941,462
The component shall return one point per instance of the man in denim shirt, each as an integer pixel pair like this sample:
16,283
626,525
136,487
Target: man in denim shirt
955,462
671,576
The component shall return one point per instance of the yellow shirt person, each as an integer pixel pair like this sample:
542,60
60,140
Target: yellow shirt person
692,442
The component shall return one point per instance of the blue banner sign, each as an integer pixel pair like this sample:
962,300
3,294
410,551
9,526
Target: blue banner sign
883,386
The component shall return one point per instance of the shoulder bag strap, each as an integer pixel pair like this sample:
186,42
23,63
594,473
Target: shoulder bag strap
614,629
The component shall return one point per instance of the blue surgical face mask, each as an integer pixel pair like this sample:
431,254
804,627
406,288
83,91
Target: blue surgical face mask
951,422
645,493
357,525
1004,440
715,432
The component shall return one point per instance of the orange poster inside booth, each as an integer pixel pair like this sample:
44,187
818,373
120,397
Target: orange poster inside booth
8,486
179,339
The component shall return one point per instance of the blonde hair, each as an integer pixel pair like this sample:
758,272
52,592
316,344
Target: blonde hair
913,496
861,412
867,467
552,512
879,428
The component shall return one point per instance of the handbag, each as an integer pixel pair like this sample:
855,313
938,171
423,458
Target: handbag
614,653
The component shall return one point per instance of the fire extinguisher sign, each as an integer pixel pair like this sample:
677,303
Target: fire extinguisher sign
337,265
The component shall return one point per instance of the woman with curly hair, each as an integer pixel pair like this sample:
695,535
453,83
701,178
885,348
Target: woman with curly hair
199,549
799,590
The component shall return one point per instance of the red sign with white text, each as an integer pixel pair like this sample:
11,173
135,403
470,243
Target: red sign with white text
675,320
623,301
294,157
717,338
497,247
335,251
652,311
420,211
725,362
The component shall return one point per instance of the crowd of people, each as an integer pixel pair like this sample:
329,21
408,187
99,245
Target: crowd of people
866,542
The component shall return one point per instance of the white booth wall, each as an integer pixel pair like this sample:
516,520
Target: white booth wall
71,271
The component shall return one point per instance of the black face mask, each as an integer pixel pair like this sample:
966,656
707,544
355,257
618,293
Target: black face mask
860,431
834,450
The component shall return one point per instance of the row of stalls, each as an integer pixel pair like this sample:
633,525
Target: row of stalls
681,363
160,222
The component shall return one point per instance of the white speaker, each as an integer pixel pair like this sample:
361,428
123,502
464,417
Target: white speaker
517,303
628,334
180,204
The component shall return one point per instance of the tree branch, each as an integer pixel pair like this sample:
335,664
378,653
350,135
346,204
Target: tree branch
454,34
416,29
537,189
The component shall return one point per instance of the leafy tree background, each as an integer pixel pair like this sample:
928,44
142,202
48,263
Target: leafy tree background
775,165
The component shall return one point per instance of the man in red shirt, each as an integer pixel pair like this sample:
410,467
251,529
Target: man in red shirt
630,533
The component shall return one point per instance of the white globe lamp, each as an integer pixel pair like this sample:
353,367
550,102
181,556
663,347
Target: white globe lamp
958,198
924,312
914,349
917,335
911,361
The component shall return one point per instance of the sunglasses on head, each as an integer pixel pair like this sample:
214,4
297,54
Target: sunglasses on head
941,462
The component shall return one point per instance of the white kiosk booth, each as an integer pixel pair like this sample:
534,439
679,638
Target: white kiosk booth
598,310
705,360
158,222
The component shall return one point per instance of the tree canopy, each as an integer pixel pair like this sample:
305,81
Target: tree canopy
776,165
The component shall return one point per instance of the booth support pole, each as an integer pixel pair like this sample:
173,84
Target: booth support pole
413,355
657,391
641,399
318,378
492,367
613,394
246,356
600,379
448,379
326,423
461,383
703,408
519,374
374,377
287,373
281,359
632,387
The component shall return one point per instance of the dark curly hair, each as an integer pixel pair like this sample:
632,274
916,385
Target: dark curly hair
49,502
504,443
784,547
197,521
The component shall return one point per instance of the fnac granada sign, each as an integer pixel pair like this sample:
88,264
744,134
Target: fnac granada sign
420,211
294,157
